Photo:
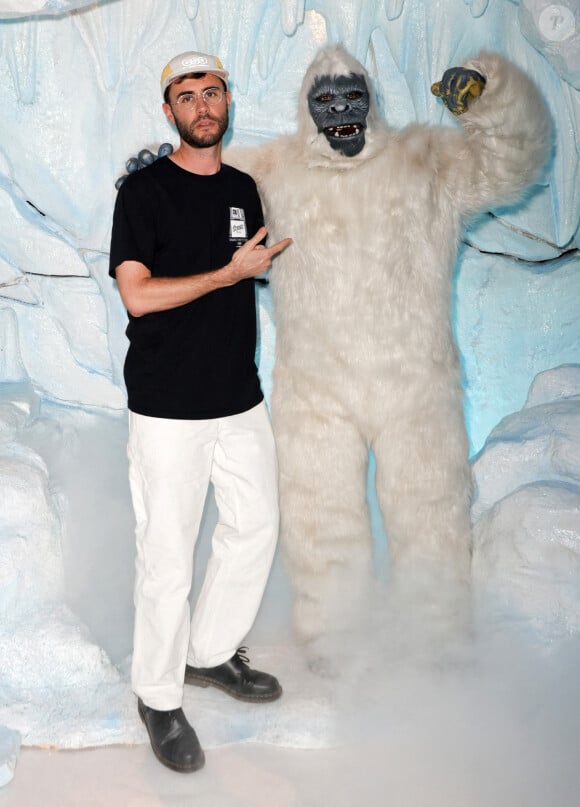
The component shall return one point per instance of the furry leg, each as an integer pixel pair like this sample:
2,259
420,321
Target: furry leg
325,528
424,488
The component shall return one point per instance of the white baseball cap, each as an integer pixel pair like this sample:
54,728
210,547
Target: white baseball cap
192,62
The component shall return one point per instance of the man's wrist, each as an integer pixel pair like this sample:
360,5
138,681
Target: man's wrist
227,275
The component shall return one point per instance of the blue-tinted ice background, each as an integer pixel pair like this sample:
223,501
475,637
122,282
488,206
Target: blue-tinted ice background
79,94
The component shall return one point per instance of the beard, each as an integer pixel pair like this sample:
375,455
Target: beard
204,139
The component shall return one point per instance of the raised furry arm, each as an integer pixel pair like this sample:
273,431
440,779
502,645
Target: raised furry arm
506,138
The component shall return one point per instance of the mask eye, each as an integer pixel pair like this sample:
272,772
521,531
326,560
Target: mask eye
325,97
354,95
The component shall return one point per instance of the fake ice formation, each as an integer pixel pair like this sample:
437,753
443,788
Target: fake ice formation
551,27
17,8
79,93
527,510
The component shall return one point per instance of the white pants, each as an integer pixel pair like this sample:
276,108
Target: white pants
171,463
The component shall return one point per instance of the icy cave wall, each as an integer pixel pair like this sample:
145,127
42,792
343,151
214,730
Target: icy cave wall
79,94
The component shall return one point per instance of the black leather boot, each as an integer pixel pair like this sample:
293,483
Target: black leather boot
173,740
237,679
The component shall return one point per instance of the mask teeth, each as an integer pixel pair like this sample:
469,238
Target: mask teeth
348,129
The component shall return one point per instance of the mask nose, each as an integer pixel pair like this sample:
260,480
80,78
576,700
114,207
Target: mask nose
339,106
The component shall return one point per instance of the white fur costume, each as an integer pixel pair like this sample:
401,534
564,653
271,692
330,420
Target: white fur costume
364,354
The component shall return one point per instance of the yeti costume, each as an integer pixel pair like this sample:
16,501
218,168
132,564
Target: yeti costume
365,357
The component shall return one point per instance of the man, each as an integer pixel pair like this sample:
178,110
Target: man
185,264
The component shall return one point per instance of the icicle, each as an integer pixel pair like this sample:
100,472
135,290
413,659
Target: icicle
271,37
104,31
291,15
99,35
394,8
477,7
21,52
352,24
233,36
191,8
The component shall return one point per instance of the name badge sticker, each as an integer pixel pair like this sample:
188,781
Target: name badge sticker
238,229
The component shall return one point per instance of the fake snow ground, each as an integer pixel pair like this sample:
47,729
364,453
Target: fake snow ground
494,720
497,731
500,736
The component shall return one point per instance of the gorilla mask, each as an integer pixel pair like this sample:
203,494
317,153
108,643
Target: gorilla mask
339,106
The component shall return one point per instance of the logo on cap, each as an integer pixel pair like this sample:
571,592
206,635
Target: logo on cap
195,61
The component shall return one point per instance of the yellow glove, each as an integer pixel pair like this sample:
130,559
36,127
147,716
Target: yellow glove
457,87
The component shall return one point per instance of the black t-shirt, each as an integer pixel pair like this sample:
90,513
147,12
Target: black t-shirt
195,361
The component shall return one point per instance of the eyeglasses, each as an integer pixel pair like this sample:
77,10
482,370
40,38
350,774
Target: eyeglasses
211,96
